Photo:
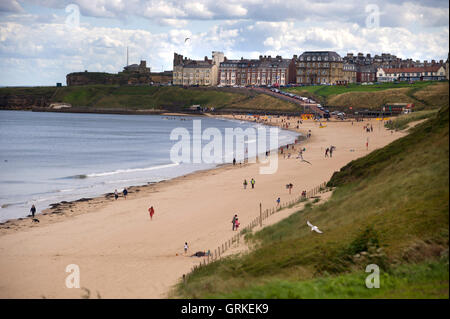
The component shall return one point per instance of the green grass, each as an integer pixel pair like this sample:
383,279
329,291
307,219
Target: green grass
152,97
391,207
402,121
325,91
46,91
423,280
425,95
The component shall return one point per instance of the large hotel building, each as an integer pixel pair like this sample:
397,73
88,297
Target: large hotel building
320,67
264,71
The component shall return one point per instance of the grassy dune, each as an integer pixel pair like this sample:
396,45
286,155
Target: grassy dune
425,95
389,208
373,100
401,122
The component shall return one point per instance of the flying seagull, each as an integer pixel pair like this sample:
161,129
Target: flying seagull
313,228
186,39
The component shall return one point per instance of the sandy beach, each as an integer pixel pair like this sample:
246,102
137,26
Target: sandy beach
123,254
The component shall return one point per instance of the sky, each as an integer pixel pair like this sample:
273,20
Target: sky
43,40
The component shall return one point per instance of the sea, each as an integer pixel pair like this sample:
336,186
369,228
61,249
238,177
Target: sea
47,157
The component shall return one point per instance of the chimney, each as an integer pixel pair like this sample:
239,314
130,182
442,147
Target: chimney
206,58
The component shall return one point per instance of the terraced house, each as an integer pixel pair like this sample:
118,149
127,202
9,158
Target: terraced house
189,72
320,67
349,73
429,73
262,72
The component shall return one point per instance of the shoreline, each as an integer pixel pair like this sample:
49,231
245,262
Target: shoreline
63,207
122,253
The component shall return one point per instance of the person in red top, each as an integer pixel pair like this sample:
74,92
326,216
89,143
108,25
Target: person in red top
151,211
236,224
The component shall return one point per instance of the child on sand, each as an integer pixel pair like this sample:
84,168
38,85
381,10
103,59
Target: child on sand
116,194
278,201
125,193
253,183
245,184
185,247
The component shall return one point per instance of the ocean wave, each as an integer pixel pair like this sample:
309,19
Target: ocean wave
122,171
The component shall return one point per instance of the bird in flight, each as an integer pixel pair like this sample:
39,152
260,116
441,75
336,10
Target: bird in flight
186,39
313,228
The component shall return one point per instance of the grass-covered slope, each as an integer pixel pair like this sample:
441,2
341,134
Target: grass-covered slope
425,95
103,97
389,208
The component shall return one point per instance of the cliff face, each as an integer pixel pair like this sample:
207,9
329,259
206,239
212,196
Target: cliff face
22,102
122,78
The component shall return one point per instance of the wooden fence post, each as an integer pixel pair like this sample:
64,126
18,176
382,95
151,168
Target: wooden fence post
260,215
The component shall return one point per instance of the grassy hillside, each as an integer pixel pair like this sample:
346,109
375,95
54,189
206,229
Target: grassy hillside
148,97
389,208
425,95
401,122
143,97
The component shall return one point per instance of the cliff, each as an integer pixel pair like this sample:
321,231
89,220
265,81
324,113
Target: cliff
122,78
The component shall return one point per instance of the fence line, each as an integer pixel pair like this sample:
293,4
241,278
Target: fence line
213,256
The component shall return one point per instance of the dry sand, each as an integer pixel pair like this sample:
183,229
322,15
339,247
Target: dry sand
123,254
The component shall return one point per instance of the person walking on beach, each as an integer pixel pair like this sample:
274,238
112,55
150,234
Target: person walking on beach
331,151
151,211
253,183
233,221
326,152
245,184
290,186
236,224
185,248
33,210
116,194
278,201
125,193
